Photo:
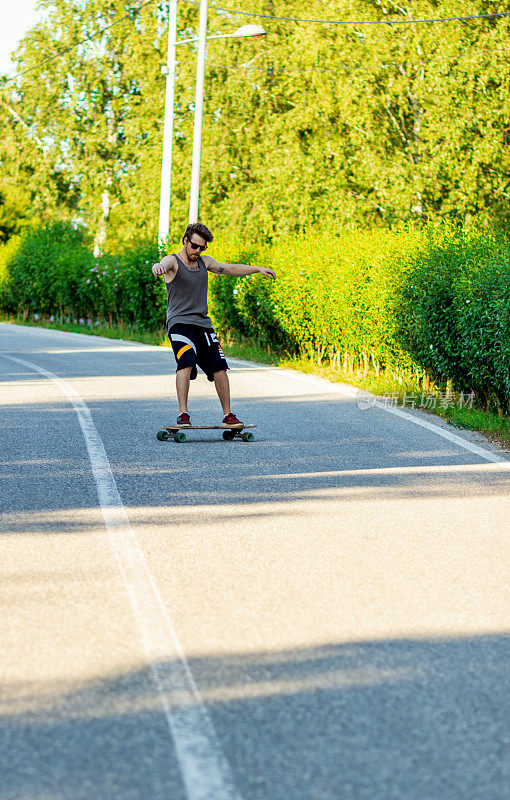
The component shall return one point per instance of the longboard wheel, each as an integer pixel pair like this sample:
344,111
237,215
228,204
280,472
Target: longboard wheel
179,436
228,436
248,436
162,436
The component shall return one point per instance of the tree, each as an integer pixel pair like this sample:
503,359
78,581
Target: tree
314,125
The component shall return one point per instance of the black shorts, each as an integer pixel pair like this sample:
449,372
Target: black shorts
195,346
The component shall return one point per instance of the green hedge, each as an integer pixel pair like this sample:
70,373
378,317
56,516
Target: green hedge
434,301
52,271
331,300
453,312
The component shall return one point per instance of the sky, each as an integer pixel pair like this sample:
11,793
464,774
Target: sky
18,16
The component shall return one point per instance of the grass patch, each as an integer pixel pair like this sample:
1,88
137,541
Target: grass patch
475,419
386,383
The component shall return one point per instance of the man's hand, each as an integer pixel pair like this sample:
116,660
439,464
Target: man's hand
267,273
158,269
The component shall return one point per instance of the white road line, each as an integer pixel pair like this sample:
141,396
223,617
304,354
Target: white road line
204,769
452,437
348,391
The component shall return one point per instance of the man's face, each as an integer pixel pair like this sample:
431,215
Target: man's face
195,246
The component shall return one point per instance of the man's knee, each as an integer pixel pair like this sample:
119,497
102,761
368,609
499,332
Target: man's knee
220,375
183,374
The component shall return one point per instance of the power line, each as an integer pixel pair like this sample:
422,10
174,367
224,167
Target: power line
139,6
354,22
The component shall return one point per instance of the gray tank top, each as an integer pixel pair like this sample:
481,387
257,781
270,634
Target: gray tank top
187,296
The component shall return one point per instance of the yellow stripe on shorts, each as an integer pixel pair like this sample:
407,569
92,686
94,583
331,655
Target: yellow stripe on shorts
183,350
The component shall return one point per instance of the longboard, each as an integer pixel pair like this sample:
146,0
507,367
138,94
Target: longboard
229,433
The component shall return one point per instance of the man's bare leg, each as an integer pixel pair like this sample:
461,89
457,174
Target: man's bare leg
223,388
182,382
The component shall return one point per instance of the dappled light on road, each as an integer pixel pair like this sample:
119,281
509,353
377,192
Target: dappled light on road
368,707
321,609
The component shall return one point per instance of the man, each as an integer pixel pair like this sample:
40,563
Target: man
189,327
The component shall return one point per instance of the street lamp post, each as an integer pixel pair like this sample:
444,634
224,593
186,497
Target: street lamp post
169,71
168,127
199,109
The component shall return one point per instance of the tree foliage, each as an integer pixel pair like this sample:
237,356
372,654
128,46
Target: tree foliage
332,125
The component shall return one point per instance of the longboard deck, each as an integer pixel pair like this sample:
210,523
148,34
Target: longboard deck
207,427
230,432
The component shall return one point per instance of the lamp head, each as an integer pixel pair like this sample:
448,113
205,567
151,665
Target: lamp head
250,30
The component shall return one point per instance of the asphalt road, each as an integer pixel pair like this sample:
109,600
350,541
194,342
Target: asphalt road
321,614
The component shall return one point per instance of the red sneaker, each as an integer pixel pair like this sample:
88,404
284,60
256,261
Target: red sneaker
231,421
183,420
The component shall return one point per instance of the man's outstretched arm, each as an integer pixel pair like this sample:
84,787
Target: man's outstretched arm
166,265
236,270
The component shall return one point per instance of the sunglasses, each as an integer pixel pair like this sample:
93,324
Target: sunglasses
199,247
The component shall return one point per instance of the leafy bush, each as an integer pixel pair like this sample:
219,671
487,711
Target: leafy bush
7,253
454,312
135,294
40,270
52,271
433,301
331,297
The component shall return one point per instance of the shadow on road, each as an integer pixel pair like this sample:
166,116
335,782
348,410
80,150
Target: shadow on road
377,720
47,483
